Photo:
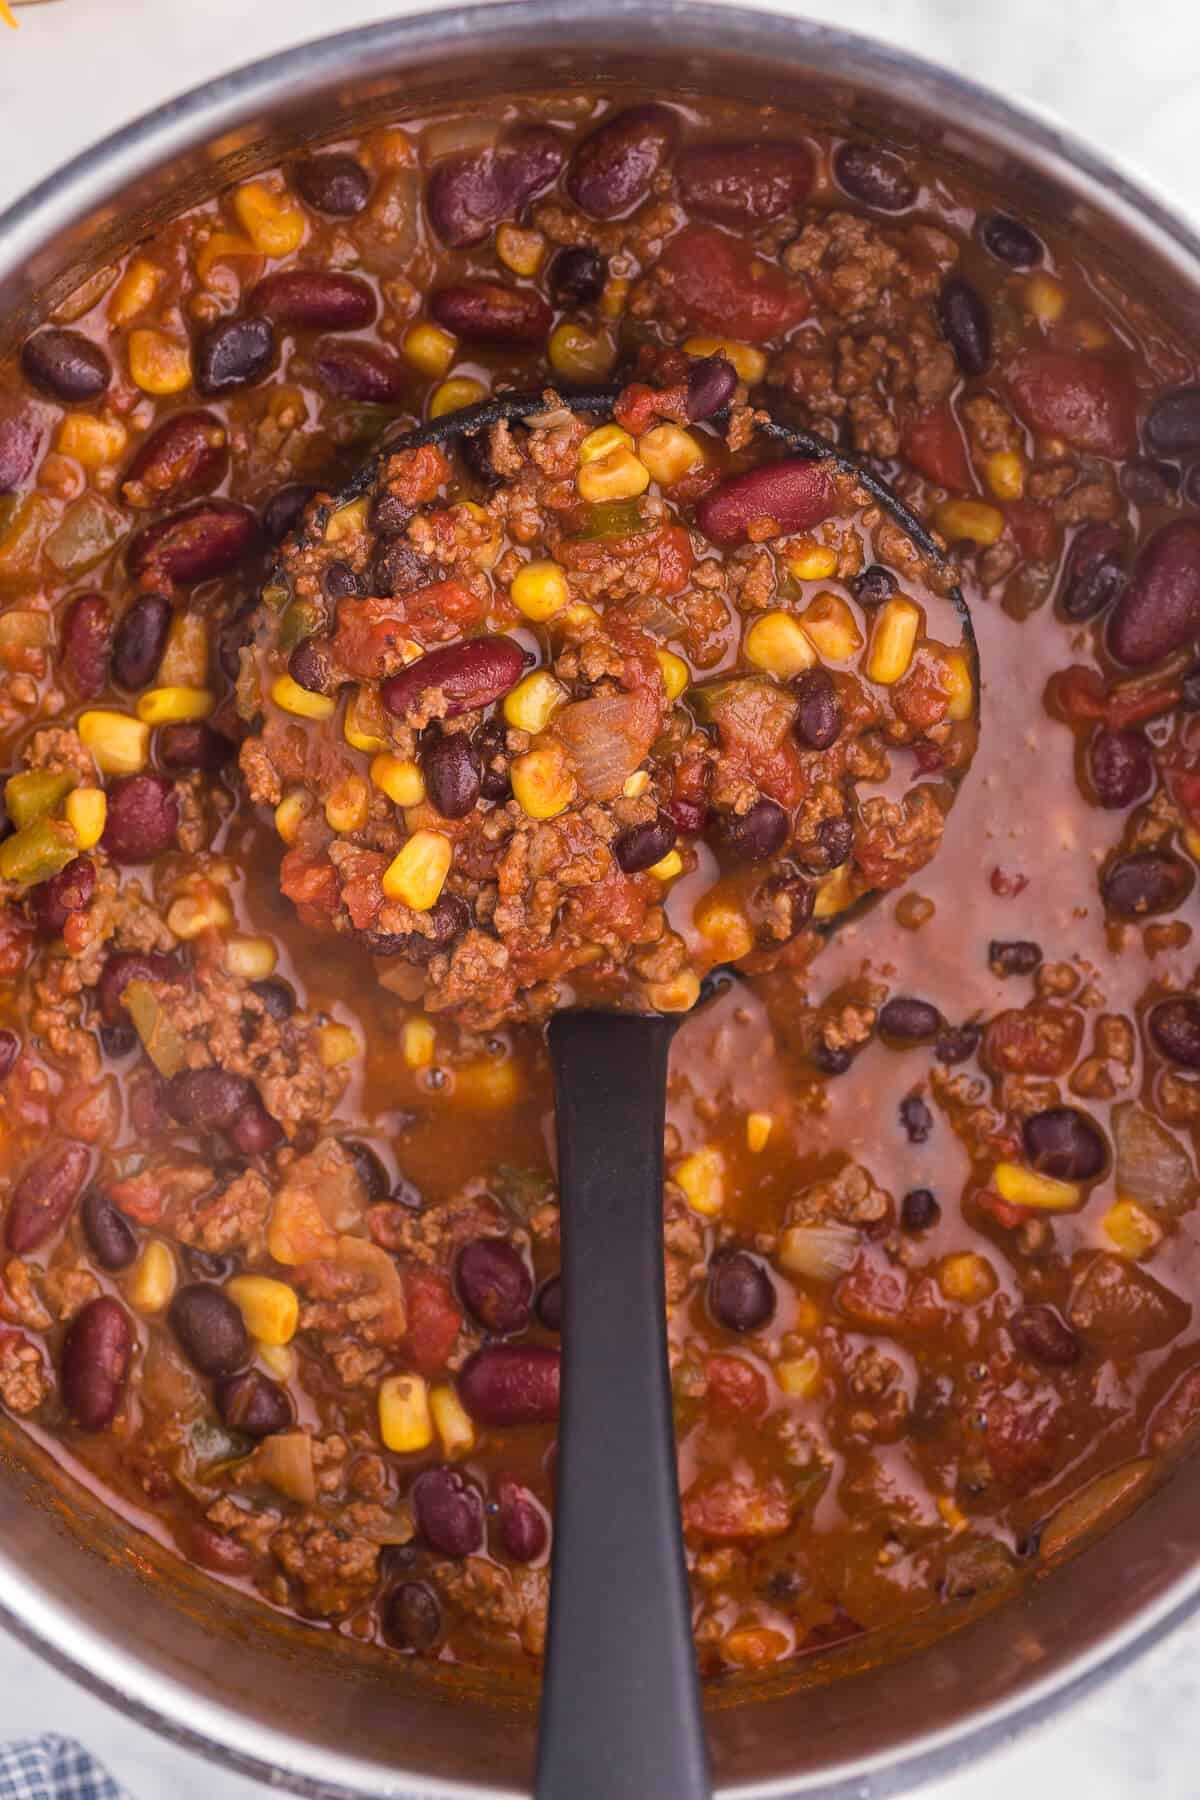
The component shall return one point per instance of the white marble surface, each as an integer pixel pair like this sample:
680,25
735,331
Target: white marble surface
1124,74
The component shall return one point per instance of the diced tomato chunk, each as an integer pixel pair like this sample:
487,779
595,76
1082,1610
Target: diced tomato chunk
729,1508
719,282
1075,395
415,476
675,559
933,444
308,879
433,1319
1034,528
736,1386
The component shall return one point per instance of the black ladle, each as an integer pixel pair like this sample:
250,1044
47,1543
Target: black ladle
621,1717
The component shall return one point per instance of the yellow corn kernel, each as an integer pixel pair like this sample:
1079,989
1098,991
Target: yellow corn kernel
135,291
1131,1229
579,616
758,1129
419,1043
615,297
193,914
291,813
453,395
960,686
542,784
354,729
157,364
348,804
1005,472
270,1309
452,1421
636,784
417,873
580,355
404,1422
487,550
174,705
1091,334
338,1044
1023,1187
539,590
1045,297
86,811
809,561
799,1377
702,1179
754,1646
429,349
348,521
724,928
777,643
952,1513
91,441
119,743
617,476
967,1277
399,778
751,364
831,625
534,701
489,1084
971,519
185,660
602,442
251,958
152,1278
893,641
522,251
675,673
280,1359
678,995
667,867
222,248
271,220
834,893
292,698
669,452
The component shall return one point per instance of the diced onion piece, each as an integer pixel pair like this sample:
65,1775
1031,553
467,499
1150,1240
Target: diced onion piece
285,1462
1151,1166
606,738
820,1252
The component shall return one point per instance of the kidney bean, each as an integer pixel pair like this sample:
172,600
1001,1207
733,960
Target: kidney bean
1120,766
19,441
1174,1029
70,891
874,177
356,370
123,967
209,1328
511,1384
188,455
191,744
755,835
470,675
282,511
919,1210
909,1020
251,1402
836,838
332,183
577,276
45,1194
613,169
548,1305
818,720
1095,572
524,1529
96,1354
733,183
86,642
719,282
140,639
486,312
315,300
1074,395
1017,956
641,846
710,386
10,1049
210,1099
966,325
741,1294
1038,1331
235,353
143,814
448,1512
412,1617
66,365
469,194
451,769
1159,611
196,543
494,1284
1146,882
796,492
1149,483
117,1041
1009,241
109,1234
279,1002
211,1549
690,816
1065,1143
254,1132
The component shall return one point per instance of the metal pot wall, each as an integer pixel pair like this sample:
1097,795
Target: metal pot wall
209,1666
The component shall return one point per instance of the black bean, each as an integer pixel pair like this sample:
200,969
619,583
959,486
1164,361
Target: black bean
140,639
369,1169
311,667
1095,573
491,747
474,448
1190,699
451,770
412,1617
110,1236
874,585
710,386
447,918
1039,1332
282,511
1149,483
191,744
908,1020
1174,1029
234,354
1146,882
407,1193
1172,425
210,1099
818,720
333,183
1010,241
338,581
548,1305
1120,766
919,1210
641,846
117,1041
399,569
205,1264
389,514
957,1044
831,1059
279,1002
577,276
966,325
253,1403
1065,1143
70,891
754,835
836,838
209,1328
874,176
254,1132
916,1119
1018,956
786,904
741,1294
66,365
10,1049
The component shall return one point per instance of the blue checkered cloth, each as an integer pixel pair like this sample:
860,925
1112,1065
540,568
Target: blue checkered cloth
53,1768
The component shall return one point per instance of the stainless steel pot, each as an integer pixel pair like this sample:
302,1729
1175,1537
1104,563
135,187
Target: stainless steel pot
211,1668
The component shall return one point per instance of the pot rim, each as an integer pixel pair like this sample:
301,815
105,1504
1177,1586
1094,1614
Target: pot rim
1033,134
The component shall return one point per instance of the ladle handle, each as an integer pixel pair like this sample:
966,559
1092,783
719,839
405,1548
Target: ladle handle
621,1716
